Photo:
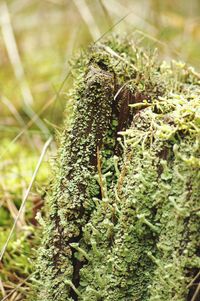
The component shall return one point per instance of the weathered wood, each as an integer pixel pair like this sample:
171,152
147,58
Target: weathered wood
97,118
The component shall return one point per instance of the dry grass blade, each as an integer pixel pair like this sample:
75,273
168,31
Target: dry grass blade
117,9
29,124
16,114
196,294
2,288
36,116
159,42
19,5
13,110
13,53
106,13
14,212
112,27
88,18
194,279
26,196
17,287
7,199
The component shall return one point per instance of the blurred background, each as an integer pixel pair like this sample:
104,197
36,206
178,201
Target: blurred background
38,38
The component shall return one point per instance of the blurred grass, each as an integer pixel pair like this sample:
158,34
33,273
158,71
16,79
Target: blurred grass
34,64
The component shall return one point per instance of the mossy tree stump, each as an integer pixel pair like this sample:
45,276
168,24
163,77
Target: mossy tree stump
123,218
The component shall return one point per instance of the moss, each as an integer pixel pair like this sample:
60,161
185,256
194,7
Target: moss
122,221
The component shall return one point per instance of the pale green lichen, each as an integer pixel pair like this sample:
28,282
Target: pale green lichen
124,221
72,200
93,127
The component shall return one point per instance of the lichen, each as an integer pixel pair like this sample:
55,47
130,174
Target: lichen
93,129
123,217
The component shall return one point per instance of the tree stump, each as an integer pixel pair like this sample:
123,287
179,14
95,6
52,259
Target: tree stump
123,218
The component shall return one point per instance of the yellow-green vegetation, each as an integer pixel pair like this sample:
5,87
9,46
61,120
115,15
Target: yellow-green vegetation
123,218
